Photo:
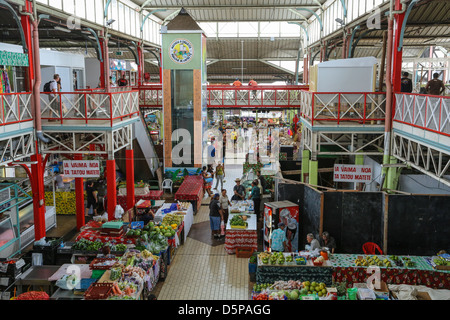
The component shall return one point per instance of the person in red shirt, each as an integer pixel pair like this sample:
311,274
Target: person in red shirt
237,83
123,82
253,83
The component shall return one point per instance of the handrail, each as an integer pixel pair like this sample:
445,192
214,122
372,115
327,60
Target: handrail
89,106
338,107
423,111
15,108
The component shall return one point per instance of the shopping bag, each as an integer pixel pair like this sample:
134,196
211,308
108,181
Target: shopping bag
118,212
222,228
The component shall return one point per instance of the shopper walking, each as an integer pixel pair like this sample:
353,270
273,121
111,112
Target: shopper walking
224,205
215,216
220,175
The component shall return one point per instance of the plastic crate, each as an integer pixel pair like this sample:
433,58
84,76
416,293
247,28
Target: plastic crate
85,284
49,251
244,252
98,291
100,260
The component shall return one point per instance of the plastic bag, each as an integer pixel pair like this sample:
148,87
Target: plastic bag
118,212
222,228
67,282
105,216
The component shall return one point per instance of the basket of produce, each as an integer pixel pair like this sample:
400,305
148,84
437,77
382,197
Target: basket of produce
99,291
102,263
238,223
318,261
300,261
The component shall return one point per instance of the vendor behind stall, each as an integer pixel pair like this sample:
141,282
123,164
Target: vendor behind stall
147,216
313,244
327,241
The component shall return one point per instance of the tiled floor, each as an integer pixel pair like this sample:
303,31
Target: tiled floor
202,271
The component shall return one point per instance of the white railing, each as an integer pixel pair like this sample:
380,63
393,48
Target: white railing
340,107
90,107
15,108
427,112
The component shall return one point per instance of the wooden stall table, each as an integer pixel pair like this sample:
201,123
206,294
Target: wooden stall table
191,190
422,273
241,238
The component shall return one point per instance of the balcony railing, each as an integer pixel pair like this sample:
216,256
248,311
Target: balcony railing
89,107
343,108
427,112
254,97
151,96
15,108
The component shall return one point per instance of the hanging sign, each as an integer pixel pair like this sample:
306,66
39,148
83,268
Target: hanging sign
16,59
81,168
181,51
352,173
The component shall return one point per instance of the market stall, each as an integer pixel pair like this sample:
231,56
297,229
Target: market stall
185,210
292,266
241,232
191,190
411,270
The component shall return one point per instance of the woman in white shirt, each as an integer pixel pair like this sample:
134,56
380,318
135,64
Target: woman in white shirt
224,203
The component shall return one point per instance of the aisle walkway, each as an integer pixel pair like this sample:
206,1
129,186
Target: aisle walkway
201,269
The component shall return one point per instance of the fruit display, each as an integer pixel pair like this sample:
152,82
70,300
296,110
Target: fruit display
289,290
88,245
264,257
173,220
65,202
408,262
441,262
373,261
318,261
301,261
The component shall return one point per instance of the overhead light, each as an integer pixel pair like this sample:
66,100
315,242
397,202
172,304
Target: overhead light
72,42
340,21
62,29
110,22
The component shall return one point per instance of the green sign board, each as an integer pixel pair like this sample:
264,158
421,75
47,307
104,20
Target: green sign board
182,51
15,59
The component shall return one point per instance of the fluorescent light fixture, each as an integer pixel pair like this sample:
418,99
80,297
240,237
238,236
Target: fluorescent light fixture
110,22
62,29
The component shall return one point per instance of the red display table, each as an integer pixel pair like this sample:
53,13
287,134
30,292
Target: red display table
191,190
91,231
241,238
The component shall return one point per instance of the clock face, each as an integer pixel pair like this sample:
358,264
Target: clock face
181,51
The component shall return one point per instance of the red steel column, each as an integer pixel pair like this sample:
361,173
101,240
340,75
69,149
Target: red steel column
111,188
130,178
38,196
79,198
141,63
397,55
27,29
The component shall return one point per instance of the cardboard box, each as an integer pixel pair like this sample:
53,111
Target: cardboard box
423,296
382,292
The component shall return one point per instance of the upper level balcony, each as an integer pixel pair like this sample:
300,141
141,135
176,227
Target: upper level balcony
16,112
93,108
423,117
344,110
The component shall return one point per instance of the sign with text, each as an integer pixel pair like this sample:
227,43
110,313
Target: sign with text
352,173
81,168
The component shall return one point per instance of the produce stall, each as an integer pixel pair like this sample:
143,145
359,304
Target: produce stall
241,233
272,267
191,190
410,270
183,215
130,276
244,206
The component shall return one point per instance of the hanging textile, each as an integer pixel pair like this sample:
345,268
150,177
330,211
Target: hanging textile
6,87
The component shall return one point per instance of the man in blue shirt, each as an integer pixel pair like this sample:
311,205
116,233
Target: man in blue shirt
278,238
255,195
